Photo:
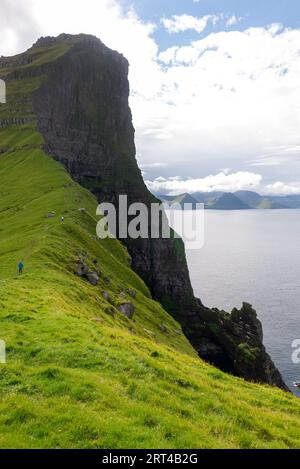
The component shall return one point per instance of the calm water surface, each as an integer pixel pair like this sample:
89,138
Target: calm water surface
254,256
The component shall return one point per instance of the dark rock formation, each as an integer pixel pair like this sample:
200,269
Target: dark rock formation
83,114
234,342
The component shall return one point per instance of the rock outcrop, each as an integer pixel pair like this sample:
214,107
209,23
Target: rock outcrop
127,309
81,109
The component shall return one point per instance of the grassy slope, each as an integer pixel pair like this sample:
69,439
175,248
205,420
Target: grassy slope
77,376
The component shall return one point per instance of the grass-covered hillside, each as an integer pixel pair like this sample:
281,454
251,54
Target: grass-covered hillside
80,374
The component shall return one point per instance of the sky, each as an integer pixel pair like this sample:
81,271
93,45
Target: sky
215,88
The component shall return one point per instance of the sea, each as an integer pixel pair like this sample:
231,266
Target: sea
254,256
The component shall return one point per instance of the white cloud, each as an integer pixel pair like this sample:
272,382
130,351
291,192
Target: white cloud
222,181
227,99
280,188
223,100
181,23
233,20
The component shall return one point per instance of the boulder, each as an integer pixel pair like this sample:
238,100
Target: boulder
81,269
127,309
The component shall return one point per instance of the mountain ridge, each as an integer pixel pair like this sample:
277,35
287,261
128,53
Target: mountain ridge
239,200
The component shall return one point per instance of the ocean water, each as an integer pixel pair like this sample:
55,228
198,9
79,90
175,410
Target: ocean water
254,256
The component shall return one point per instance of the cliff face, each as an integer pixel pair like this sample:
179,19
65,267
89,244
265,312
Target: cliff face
80,103
84,116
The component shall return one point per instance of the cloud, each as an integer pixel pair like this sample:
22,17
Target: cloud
226,99
17,25
223,181
233,20
181,23
280,188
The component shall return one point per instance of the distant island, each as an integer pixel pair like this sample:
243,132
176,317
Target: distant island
240,200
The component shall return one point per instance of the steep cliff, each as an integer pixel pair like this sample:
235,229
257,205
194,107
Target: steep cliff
76,90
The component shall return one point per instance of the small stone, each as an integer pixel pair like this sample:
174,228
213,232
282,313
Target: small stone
131,293
106,295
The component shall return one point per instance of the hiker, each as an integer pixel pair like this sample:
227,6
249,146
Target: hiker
62,219
20,267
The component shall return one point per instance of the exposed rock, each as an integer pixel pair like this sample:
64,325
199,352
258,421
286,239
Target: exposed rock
92,277
131,293
81,269
234,343
127,309
15,121
106,295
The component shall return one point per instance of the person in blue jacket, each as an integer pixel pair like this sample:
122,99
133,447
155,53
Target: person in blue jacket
20,267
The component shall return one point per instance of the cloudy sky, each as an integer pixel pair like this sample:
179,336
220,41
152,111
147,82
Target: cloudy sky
215,84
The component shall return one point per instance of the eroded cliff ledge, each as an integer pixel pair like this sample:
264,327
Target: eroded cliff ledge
80,104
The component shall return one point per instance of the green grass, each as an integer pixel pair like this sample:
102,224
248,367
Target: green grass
81,375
